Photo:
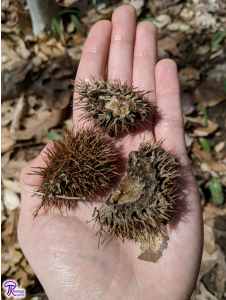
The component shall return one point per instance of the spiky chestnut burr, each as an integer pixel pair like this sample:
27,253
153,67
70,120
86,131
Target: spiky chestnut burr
113,105
81,165
142,203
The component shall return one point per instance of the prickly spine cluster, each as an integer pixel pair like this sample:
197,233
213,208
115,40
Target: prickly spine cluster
143,202
114,106
81,165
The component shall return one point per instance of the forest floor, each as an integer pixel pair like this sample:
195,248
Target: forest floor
36,72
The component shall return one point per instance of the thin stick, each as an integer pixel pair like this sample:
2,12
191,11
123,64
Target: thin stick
30,189
57,196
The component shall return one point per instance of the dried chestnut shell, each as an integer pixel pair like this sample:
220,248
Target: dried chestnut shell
114,106
80,165
142,203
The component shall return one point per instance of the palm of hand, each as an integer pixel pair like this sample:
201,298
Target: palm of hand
60,248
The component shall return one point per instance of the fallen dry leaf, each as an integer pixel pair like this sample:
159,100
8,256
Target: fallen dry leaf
24,22
29,270
57,100
77,39
70,27
69,124
4,268
202,50
179,37
186,14
21,49
11,200
204,20
205,131
178,26
7,144
15,64
204,294
22,277
221,276
210,212
215,278
196,120
203,156
12,185
152,251
32,126
167,44
40,126
209,93
10,58
53,82
16,256
8,228
52,48
25,282
13,169
163,21
20,274
92,16
5,159
75,52
219,146
7,112
137,4
188,140
189,76
186,101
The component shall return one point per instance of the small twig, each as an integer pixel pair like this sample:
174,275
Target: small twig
30,189
57,196
19,111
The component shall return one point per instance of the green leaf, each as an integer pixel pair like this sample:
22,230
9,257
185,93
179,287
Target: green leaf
69,10
149,19
205,145
95,4
54,136
203,109
216,191
218,38
217,46
224,85
55,26
138,11
77,24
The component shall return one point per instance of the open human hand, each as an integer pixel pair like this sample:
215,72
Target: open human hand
60,248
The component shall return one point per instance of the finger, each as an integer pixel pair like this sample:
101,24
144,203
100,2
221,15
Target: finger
145,57
120,61
171,126
188,218
144,61
94,57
